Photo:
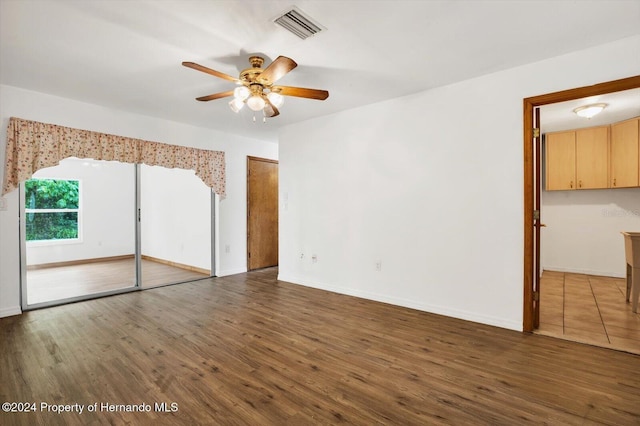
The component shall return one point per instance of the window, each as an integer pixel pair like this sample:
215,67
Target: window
52,208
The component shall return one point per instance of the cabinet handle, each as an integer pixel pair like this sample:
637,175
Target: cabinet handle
579,184
614,181
571,184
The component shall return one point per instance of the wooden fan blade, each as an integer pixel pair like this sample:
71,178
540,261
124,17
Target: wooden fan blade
215,73
302,92
277,69
269,109
215,96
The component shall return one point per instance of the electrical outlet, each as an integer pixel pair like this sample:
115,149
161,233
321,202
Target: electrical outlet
379,265
301,256
227,248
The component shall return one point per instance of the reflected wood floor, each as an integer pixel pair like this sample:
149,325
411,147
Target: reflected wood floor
251,350
62,282
589,309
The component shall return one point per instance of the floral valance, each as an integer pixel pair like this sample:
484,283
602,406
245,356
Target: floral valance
32,146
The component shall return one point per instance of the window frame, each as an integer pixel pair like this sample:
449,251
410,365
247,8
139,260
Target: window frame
78,239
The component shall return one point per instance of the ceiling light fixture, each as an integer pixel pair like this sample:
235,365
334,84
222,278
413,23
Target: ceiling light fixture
588,111
257,98
254,93
236,105
256,88
255,103
276,99
241,93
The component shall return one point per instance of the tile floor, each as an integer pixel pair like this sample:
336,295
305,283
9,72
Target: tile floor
588,309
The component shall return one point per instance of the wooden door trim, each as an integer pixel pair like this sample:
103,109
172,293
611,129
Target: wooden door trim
537,141
249,159
528,105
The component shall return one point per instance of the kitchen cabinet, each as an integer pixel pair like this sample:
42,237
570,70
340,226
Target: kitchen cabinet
592,158
560,154
625,158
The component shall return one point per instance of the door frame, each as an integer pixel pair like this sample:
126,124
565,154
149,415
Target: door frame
528,317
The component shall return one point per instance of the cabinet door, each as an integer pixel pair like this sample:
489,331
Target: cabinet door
592,157
560,153
624,154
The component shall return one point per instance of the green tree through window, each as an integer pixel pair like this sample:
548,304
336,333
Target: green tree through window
52,208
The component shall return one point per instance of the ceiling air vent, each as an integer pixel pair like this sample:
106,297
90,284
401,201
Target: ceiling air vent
298,23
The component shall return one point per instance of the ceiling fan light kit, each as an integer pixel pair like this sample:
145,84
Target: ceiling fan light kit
256,102
276,99
256,86
236,105
241,93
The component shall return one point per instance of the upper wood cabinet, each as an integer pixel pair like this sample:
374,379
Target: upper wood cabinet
577,159
595,157
624,154
592,158
560,154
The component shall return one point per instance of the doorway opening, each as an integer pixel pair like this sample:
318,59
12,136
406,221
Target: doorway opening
532,219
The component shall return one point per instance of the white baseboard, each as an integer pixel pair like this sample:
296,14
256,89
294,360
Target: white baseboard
585,272
233,271
8,312
412,304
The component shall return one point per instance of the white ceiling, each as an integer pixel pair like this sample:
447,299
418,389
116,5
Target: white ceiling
620,106
127,54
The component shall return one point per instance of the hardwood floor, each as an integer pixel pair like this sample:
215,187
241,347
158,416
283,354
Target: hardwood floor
588,309
249,349
61,282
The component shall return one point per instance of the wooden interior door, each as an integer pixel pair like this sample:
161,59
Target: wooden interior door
262,213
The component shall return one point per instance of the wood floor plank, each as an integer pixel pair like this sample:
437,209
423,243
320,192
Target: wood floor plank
249,349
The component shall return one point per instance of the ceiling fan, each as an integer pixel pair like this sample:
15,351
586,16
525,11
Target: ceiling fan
256,86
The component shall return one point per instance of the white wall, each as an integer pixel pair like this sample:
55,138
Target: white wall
430,186
176,216
107,201
583,230
51,109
